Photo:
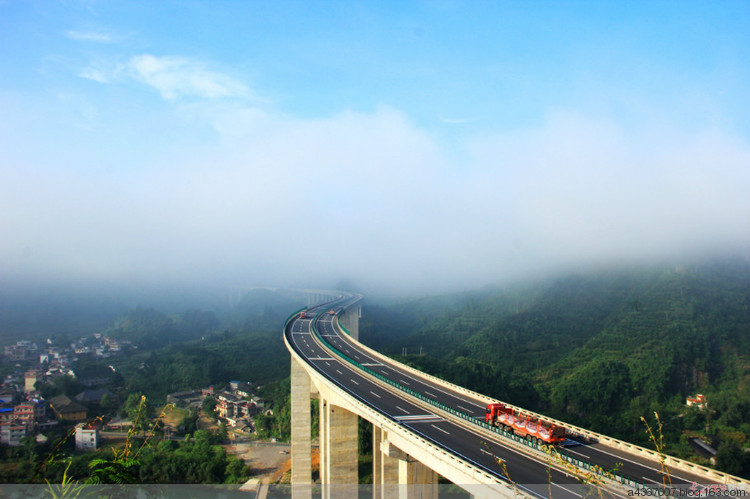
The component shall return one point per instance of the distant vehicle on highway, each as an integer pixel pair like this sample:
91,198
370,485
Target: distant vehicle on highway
332,312
524,426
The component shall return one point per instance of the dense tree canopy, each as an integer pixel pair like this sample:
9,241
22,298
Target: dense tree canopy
600,350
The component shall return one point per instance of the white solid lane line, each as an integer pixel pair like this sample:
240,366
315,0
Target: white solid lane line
440,429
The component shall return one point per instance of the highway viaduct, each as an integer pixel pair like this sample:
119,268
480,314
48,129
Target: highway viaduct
424,427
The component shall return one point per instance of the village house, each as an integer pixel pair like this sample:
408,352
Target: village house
22,350
29,413
698,401
66,409
93,396
189,398
94,376
6,414
7,394
244,390
12,434
112,344
118,424
15,353
82,350
29,380
87,436
226,407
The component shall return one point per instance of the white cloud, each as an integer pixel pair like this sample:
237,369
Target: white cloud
176,77
91,36
96,74
280,200
456,121
583,188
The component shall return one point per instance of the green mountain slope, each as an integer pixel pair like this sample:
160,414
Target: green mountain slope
602,349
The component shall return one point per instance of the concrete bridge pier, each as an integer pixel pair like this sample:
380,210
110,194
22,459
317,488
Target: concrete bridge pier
301,432
384,468
339,436
350,320
396,474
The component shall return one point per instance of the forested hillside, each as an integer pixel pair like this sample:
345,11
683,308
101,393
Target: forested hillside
195,349
600,349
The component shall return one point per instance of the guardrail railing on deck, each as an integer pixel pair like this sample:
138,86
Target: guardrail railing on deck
564,456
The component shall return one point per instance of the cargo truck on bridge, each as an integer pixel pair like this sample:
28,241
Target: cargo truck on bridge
524,426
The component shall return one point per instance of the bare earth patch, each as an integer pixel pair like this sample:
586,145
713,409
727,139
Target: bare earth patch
270,463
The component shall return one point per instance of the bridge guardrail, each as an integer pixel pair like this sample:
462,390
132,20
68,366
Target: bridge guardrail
466,467
580,463
667,460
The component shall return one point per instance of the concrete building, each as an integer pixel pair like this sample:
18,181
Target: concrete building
15,352
30,379
12,434
87,437
29,413
244,390
6,414
7,394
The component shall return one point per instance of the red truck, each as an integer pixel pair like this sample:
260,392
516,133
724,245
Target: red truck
303,314
524,426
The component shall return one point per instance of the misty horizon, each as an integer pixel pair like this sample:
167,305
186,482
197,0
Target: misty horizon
413,151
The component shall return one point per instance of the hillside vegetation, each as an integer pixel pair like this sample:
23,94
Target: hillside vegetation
600,350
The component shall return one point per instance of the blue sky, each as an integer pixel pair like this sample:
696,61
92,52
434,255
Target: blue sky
442,144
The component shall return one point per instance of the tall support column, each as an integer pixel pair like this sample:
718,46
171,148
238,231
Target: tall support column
350,320
417,480
343,439
385,459
414,479
323,439
377,460
339,455
301,432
